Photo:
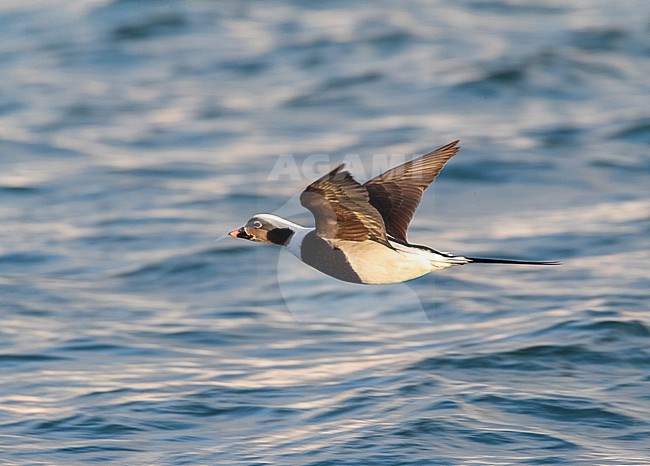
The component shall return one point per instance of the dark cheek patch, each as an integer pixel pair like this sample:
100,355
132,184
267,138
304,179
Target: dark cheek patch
279,235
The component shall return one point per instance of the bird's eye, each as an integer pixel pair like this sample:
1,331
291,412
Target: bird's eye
257,224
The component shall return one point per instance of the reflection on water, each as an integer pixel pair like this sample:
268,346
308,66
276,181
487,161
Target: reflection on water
133,134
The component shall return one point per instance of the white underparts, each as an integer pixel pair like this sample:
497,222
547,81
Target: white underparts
375,263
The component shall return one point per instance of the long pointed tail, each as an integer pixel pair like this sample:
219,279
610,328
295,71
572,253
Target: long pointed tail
480,260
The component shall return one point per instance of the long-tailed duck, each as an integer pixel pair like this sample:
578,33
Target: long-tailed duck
360,233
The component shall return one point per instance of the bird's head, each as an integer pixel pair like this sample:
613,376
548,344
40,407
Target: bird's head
266,228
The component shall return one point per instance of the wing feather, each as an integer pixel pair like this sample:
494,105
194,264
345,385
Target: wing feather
397,193
342,210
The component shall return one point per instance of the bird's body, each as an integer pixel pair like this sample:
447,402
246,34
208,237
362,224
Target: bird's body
360,232
357,261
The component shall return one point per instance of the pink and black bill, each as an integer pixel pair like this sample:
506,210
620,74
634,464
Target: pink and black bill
240,233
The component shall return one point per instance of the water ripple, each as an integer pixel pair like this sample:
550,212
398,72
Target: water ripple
136,133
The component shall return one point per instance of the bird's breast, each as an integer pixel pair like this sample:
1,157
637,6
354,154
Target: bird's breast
320,254
365,262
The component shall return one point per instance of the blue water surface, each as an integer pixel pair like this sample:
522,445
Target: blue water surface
135,133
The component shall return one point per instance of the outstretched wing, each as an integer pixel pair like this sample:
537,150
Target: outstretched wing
397,193
341,209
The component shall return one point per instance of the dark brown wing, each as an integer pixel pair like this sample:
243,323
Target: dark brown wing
341,209
397,193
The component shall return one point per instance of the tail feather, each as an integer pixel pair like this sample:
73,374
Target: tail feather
481,260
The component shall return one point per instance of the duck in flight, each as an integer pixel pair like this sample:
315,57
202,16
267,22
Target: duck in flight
360,232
